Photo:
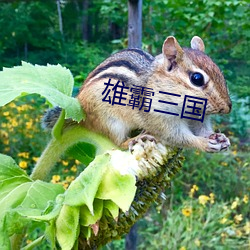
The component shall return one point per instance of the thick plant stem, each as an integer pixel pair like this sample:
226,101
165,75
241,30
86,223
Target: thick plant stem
16,240
52,153
57,147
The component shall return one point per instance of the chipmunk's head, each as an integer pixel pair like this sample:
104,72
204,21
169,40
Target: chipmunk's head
197,74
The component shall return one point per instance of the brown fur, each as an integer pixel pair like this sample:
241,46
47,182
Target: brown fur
167,72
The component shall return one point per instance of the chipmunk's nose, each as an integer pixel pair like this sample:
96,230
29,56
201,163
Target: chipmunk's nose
226,109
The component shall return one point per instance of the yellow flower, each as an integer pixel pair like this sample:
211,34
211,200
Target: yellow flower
23,164
4,134
235,203
211,195
14,123
203,199
6,141
55,178
223,220
6,113
73,168
35,159
223,235
12,105
247,227
193,190
187,211
70,178
182,248
224,164
24,155
23,107
19,108
238,233
77,162
29,124
234,152
238,218
6,149
65,163
245,199
65,185
197,242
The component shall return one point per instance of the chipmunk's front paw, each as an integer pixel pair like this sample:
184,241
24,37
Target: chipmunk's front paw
217,142
141,139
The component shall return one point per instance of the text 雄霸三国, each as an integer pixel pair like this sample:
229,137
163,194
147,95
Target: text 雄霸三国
141,98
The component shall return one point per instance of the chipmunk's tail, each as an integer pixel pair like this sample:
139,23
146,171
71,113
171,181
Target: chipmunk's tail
50,117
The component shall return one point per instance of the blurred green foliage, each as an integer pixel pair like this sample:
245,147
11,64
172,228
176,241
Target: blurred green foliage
30,31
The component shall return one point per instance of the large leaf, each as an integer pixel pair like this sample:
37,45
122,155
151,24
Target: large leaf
118,188
112,208
86,218
83,152
9,168
67,226
40,193
82,191
21,197
103,181
53,82
6,186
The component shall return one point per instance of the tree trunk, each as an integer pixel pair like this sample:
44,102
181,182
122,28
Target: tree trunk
59,16
131,238
135,23
85,31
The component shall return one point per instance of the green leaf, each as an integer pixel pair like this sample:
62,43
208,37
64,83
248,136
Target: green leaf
83,189
86,231
14,223
26,202
112,208
4,240
53,82
118,188
20,197
58,127
50,234
14,198
39,194
83,152
49,216
9,168
34,243
86,218
6,186
67,226
11,200
101,180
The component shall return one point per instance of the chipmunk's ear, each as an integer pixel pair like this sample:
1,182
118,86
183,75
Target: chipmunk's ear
197,43
171,49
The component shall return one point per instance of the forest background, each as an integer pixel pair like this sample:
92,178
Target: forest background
207,205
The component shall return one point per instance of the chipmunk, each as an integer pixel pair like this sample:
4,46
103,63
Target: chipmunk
181,71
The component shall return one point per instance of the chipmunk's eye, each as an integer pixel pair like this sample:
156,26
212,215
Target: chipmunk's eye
197,79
